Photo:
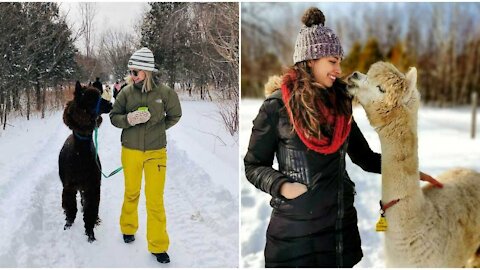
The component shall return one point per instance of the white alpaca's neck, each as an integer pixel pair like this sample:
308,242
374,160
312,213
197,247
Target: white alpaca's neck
400,175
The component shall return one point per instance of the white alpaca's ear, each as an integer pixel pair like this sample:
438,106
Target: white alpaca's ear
411,78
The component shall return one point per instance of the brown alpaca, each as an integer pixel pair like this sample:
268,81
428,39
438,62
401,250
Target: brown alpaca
77,162
428,227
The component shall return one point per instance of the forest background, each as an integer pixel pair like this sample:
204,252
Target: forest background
441,39
195,47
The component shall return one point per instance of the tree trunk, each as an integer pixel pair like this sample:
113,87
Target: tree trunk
229,93
208,93
57,96
3,105
28,103
16,98
172,64
38,95
43,102
5,118
2,112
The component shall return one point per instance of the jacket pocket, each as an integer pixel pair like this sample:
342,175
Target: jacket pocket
300,198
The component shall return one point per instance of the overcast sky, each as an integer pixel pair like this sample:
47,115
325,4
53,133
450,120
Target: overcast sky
109,15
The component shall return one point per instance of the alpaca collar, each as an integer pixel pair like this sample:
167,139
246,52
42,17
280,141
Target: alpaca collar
88,137
384,207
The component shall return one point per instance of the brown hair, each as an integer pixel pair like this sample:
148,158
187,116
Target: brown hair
305,96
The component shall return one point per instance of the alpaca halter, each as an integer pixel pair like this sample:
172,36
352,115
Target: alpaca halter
384,207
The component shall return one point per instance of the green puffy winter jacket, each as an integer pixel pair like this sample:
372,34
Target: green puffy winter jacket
165,110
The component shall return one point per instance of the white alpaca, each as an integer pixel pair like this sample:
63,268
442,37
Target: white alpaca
429,227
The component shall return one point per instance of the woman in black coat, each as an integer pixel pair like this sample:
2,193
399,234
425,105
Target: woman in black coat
307,123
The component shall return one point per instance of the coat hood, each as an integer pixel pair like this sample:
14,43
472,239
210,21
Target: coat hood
274,83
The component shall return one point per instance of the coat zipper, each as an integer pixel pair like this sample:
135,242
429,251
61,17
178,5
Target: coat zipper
340,212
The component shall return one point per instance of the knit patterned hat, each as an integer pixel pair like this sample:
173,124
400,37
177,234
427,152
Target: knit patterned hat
142,60
315,40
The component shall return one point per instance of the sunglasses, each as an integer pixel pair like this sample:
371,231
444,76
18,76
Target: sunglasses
133,72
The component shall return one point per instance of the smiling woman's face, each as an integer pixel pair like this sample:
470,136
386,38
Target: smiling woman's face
325,70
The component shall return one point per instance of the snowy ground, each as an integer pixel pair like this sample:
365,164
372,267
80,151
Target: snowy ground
444,143
201,197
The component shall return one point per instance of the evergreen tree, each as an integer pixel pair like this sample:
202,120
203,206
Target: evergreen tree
161,33
49,49
11,46
39,53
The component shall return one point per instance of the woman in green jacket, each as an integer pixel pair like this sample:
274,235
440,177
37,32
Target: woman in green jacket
145,111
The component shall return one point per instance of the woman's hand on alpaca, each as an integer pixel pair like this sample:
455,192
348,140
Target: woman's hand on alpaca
292,190
431,180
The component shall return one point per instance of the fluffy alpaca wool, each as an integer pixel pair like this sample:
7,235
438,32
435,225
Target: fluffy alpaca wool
79,169
428,227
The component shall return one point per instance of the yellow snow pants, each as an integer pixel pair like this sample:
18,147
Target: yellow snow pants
153,163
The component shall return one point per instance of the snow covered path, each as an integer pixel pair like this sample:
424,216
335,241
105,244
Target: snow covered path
201,202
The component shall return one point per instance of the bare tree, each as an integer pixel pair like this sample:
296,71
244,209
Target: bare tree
220,23
219,28
267,35
88,13
115,48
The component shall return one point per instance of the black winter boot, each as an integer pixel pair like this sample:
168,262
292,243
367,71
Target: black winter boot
162,257
127,238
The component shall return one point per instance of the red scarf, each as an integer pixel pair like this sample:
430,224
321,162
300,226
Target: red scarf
341,123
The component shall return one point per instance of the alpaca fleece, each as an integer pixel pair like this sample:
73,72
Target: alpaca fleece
77,163
428,227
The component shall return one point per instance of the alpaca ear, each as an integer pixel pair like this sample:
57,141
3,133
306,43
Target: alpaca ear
78,89
411,78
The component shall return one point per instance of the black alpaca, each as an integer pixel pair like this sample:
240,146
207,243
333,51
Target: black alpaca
77,162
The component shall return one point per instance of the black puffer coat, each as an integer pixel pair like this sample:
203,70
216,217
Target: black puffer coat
318,228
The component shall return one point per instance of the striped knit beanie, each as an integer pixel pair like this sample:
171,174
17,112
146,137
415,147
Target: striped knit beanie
142,60
315,40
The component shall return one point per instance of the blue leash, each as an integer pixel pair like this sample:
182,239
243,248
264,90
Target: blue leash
96,158
97,110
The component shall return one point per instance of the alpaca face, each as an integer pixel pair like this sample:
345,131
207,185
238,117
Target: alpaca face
384,92
82,114
88,98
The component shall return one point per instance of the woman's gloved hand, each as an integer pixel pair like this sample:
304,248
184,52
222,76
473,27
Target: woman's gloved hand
138,117
107,93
